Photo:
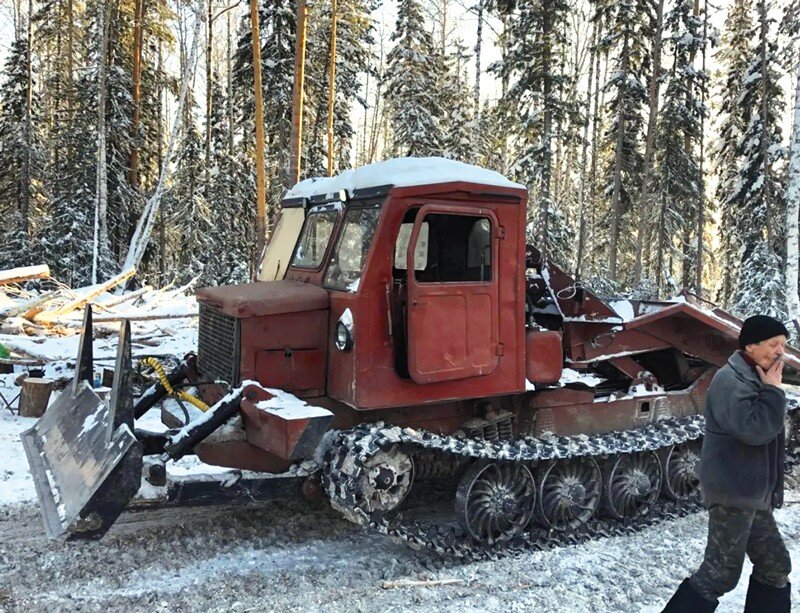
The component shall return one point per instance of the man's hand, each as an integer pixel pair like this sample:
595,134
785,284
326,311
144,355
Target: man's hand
774,376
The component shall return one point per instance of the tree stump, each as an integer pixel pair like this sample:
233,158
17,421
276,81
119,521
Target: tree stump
34,396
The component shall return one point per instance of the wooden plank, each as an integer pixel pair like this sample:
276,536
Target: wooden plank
25,273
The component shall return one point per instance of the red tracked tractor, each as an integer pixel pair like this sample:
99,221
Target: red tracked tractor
405,335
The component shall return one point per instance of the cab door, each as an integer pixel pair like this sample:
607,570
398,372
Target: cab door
452,263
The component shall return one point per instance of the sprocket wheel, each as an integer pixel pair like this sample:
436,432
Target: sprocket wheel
680,465
631,484
386,479
495,500
379,484
569,492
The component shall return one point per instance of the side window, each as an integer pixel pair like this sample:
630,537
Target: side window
459,249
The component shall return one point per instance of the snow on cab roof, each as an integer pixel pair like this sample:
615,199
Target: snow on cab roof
400,172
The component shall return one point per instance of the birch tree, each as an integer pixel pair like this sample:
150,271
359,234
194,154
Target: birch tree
144,227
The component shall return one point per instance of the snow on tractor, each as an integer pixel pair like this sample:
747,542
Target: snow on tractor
407,355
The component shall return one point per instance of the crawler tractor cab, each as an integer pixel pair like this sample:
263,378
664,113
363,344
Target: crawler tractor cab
400,307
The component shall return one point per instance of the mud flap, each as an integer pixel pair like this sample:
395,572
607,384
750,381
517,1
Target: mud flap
84,458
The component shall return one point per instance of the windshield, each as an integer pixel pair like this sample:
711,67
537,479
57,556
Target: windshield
314,239
351,251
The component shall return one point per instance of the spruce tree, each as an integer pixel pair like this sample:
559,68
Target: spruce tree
630,25
413,65
535,67
458,116
732,118
678,190
758,198
22,157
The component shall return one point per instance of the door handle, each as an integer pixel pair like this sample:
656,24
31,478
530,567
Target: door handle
417,303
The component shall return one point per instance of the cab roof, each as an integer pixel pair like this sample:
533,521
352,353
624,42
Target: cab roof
397,172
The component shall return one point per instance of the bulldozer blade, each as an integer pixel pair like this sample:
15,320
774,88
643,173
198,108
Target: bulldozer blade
84,367
85,460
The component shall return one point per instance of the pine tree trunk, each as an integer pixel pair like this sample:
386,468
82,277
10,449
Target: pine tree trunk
652,127
378,112
701,205
138,43
598,105
476,92
70,58
332,85
792,214
25,180
584,155
297,94
616,196
162,243
101,198
547,137
209,41
261,197
504,83
229,73
764,52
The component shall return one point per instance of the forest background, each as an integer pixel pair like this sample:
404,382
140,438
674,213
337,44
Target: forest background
659,139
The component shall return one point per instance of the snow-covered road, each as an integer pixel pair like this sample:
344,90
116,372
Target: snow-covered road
290,557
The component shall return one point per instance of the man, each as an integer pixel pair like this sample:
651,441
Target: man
741,475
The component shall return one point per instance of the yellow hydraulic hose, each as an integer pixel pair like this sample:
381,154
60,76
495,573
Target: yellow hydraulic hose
156,365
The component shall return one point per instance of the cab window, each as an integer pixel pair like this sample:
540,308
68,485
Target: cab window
459,249
314,239
352,247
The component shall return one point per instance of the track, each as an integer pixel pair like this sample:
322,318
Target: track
348,459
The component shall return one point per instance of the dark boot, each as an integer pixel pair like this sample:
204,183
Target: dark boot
688,600
763,598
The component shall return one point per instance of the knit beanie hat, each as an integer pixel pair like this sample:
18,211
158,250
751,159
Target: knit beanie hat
759,328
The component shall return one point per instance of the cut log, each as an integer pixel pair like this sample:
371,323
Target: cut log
34,397
29,308
26,273
88,297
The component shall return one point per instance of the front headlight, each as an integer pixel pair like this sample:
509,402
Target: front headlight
344,338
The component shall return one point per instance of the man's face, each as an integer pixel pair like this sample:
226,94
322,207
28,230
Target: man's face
767,352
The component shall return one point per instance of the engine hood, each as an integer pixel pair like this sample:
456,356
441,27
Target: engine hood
264,298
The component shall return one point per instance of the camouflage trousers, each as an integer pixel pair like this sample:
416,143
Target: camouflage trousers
732,533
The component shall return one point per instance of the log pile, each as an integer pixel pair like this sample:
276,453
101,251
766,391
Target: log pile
48,308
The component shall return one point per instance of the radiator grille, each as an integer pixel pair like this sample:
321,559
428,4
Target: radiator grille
218,346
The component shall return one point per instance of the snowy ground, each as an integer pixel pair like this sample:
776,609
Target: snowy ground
290,556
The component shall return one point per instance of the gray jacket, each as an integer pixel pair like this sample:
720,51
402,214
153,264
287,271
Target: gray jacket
744,446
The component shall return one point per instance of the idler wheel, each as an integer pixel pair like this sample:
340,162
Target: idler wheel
631,484
569,493
681,467
495,500
385,480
